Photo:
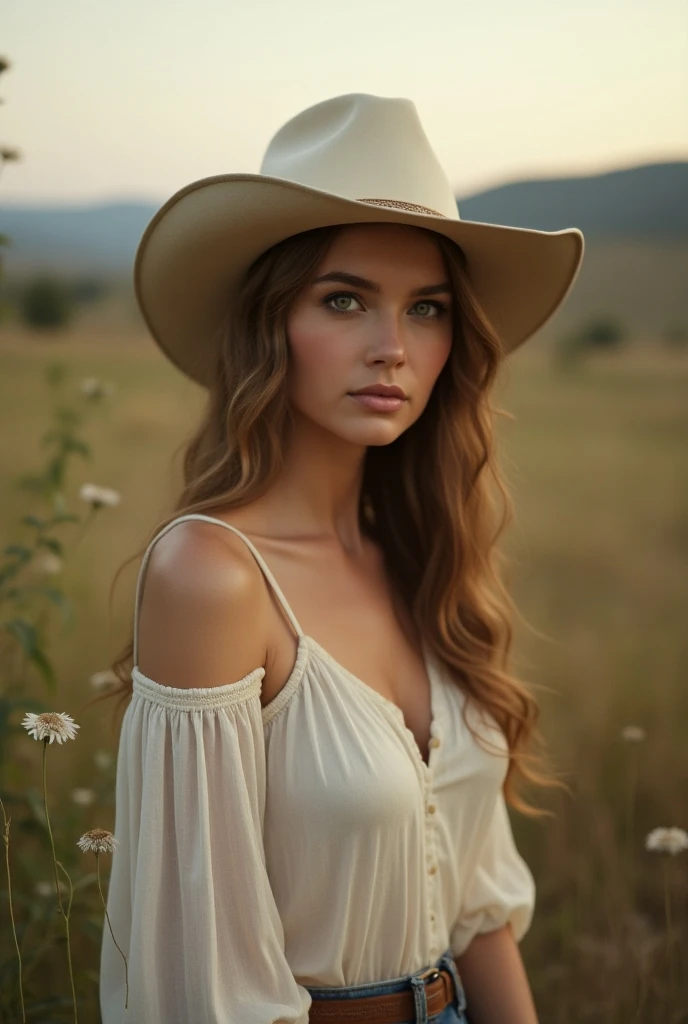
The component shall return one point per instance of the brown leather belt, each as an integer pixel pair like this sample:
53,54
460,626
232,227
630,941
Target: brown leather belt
395,1008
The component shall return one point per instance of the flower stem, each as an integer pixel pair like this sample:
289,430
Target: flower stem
69,945
6,837
667,914
107,916
57,881
630,814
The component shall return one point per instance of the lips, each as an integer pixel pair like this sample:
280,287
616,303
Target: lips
384,390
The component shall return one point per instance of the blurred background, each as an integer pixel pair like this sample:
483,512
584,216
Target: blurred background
544,116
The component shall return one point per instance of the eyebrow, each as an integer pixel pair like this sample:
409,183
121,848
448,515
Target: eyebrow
361,282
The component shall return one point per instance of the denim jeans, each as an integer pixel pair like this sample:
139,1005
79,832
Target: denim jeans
453,1013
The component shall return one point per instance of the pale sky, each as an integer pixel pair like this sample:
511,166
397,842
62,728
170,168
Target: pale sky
129,99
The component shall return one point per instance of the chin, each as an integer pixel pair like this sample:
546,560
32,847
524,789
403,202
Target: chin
373,434
365,431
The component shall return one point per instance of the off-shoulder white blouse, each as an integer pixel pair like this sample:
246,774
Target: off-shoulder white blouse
304,843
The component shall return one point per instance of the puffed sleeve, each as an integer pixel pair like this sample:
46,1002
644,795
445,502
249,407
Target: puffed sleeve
189,900
500,888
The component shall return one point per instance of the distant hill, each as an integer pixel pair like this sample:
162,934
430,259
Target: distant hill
647,203
635,223
93,239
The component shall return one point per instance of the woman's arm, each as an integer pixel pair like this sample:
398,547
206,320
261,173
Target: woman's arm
494,979
190,900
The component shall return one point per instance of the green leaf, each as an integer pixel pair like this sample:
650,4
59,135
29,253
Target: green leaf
21,554
32,520
31,482
65,517
24,632
60,599
10,704
78,447
7,572
54,473
51,435
42,663
52,543
27,635
55,372
18,549
10,569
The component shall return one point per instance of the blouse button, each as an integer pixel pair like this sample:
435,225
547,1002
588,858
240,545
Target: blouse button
432,870
434,742
431,808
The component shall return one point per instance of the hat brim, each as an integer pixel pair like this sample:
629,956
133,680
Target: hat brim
197,247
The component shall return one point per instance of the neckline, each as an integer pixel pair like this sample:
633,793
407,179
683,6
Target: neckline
308,643
384,702
237,691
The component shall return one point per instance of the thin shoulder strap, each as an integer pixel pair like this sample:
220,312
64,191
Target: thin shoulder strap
252,548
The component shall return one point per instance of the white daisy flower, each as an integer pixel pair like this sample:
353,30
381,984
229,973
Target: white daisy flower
83,797
93,387
667,840
97,840
48,563
90,385
51,725
633,734
99,496
101,680
103,760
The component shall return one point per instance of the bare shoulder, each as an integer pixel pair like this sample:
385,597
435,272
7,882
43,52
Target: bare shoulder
204,608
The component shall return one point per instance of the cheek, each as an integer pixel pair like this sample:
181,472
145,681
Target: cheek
318,368
431,359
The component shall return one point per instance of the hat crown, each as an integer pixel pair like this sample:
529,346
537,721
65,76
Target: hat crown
362,147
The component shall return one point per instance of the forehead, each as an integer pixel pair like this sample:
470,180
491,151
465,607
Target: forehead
399,247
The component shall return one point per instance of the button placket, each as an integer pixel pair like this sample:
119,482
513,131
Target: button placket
431,873
429,818
426,774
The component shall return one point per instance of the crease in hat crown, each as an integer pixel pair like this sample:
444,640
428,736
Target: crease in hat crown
362,147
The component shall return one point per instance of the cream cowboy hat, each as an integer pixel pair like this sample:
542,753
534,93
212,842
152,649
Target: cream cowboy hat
350,159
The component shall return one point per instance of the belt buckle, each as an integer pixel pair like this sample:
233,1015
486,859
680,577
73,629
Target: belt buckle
429,975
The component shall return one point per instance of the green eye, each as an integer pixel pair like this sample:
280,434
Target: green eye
338,303
336,298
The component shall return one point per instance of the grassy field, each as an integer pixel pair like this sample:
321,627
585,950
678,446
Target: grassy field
596,460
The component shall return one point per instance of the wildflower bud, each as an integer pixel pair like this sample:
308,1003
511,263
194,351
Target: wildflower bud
97,840
97,497
83,797
633,734
667,840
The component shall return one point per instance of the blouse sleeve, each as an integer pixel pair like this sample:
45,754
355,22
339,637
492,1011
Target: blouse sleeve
500,889
190,902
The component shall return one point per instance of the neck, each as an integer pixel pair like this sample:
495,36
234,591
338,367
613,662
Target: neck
317,493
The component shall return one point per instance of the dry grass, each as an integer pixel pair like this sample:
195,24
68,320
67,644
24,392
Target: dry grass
596,459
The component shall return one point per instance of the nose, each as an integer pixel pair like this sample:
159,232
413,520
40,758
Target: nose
387,344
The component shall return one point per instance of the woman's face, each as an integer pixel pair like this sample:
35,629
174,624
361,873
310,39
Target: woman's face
377,329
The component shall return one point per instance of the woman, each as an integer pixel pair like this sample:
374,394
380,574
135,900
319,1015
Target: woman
312,821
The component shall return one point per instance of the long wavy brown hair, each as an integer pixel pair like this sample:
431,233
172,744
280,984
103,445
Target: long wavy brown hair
430,499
